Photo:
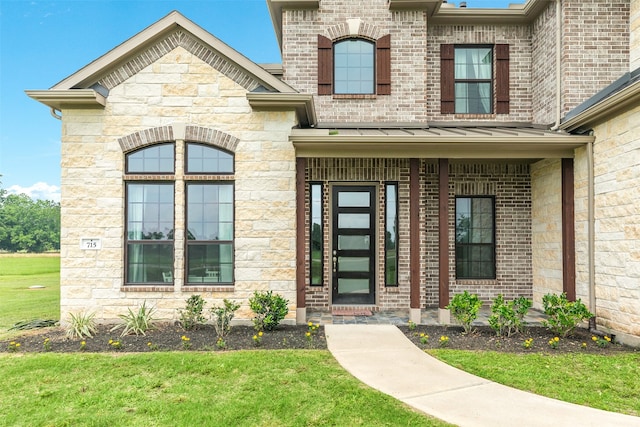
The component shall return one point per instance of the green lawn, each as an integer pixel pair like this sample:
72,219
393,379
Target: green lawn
244,388
608,382
17,301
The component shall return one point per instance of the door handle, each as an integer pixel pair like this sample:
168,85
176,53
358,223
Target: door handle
335,260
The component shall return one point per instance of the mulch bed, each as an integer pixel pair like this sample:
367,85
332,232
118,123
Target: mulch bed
204,338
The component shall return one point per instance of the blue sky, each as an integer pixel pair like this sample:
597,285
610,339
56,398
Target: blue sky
42,42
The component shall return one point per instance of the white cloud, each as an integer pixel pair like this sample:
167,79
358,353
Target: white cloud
38,191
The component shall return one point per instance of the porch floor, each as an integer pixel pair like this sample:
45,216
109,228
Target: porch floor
429,316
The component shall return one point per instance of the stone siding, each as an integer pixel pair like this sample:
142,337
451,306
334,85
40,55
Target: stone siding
617,223
176,91
546,216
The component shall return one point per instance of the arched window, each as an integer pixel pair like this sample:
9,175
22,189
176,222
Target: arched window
354,67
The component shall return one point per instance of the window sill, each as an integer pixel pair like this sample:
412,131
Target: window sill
354,96
475,116
211,288
146,288
477,281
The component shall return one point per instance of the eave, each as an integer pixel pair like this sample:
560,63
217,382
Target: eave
429,144
72,98
302,104
515,14
628,97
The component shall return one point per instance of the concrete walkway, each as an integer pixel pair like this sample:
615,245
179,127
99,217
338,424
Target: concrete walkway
383,358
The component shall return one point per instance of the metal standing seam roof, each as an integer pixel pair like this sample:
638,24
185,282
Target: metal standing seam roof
436,141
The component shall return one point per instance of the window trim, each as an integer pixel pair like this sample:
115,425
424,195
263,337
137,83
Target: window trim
493,237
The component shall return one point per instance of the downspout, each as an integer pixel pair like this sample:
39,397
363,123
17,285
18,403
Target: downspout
558,65
591,239
54,114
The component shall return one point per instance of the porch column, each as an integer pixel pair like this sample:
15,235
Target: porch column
414,240
443,241
568,231
301,305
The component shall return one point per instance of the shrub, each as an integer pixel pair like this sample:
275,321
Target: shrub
508,317
192,316
136,323
269,310
564,315
81,325
222,317
464,308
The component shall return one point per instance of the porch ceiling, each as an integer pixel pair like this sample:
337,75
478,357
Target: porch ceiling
454,142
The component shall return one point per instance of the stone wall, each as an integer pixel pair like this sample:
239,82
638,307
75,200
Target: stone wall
617,223
546,217
177,89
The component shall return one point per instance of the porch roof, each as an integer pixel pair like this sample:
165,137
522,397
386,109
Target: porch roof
503,141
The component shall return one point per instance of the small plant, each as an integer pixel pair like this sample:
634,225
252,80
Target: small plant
83,345
464,307
602,342
553,342
444,341
412,325
152,346
221,344
191,317
115,344
312,330
508,317
46,344
584,345
257,339
222,317
528,343
269,310
136,323
13,347
563,315
186,342
424,338
81,325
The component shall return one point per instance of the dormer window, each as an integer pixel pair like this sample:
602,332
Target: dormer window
354,66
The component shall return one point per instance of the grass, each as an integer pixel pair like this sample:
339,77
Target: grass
17,301
608,382
245,388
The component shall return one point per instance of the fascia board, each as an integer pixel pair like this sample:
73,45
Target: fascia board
88,74
73,98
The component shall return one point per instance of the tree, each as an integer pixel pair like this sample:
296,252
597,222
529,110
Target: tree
28,225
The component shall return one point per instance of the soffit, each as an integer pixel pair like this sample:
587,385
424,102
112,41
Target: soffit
459,142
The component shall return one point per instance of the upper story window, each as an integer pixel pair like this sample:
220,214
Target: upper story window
156,159
203,159
354,66
474,79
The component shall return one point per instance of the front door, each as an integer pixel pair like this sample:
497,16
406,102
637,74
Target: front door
353,252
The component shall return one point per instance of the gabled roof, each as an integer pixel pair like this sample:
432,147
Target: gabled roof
89,87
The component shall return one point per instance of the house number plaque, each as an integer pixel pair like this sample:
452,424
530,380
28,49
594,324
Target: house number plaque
91,244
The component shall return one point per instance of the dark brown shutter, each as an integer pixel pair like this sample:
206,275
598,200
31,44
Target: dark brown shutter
325,66
502,79
447,79
383,65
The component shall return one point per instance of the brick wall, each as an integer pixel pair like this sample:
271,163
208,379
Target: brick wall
634,30
511,186
595,40
543,66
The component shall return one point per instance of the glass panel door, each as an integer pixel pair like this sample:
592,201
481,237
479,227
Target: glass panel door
353,256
